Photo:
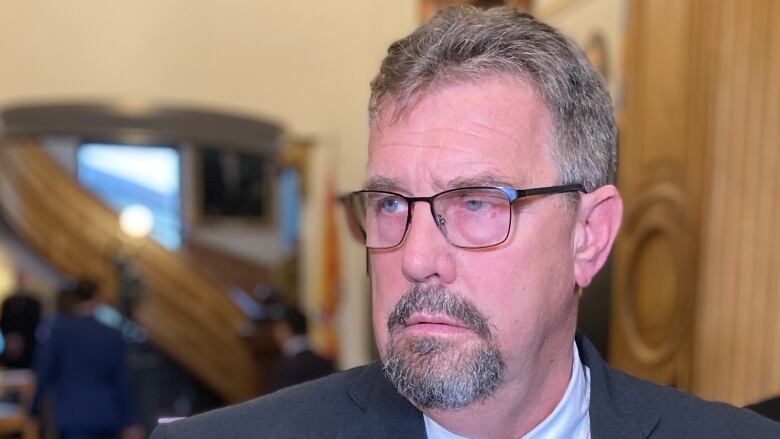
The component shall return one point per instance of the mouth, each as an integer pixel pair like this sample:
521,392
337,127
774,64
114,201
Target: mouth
432,311
433,323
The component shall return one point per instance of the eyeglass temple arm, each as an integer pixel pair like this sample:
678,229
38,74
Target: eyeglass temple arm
576,187
345,200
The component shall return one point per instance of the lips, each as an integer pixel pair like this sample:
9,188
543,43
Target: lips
429,310
432,319
433,324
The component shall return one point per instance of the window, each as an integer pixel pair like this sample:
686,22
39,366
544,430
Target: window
123,175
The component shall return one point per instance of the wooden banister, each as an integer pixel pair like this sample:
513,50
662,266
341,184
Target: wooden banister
185,312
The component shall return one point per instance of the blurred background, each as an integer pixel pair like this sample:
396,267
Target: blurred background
185,159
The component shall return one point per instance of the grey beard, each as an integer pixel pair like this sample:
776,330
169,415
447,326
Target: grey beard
434,373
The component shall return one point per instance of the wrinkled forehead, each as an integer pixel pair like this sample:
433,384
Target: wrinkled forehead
498,126
505,99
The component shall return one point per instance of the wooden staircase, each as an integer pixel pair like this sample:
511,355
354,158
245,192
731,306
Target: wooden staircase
185,312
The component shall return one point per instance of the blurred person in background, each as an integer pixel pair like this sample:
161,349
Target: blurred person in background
19,318
82,366
298,363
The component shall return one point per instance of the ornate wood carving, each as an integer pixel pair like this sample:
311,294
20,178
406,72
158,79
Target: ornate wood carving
737,313
696,282
655,278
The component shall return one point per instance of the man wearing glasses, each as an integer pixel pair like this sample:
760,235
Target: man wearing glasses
489,205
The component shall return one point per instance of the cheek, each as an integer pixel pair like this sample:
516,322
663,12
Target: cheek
387,286
499,288
509,303
521,289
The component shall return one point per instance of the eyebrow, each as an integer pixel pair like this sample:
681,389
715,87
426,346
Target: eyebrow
390,184
384,184
482,179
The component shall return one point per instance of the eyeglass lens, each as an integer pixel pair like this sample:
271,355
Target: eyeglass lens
470,218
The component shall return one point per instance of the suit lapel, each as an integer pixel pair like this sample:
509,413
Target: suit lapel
386,414
617,406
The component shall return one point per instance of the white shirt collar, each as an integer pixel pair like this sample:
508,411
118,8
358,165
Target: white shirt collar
569,419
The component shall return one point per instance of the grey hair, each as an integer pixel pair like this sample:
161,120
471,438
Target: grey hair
464,43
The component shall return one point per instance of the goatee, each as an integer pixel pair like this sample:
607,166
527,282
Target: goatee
433,372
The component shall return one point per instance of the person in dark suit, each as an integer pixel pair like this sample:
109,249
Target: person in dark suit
489,205
83,366
298,363
19,318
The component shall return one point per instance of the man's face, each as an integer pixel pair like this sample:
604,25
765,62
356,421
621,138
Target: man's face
491,132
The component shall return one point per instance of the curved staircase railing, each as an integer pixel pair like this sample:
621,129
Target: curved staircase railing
184,311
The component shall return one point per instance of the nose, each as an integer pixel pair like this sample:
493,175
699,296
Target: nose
427,255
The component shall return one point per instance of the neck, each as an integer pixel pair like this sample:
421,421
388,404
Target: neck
519,405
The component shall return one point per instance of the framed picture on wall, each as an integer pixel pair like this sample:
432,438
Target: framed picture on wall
236,185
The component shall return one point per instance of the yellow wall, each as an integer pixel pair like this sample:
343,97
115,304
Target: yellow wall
305,64
580,19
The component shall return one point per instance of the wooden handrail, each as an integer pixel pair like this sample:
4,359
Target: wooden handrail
185,312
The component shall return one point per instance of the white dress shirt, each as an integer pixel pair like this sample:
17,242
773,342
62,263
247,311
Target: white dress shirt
569,419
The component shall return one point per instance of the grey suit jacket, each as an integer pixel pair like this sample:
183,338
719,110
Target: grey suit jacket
361,403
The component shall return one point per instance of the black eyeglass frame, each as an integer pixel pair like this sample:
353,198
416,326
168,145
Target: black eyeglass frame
513,194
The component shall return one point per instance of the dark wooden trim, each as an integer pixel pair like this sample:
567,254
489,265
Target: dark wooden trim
143,124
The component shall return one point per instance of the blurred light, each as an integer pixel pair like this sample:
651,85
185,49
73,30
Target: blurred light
136,221
153,167
7,274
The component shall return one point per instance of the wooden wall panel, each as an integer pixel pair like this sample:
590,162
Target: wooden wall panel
655,255
738,308
698,263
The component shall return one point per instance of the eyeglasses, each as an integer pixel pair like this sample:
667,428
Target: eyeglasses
469,217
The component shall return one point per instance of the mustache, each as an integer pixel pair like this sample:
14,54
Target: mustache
436,300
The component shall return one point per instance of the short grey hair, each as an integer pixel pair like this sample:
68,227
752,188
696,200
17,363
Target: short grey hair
463,43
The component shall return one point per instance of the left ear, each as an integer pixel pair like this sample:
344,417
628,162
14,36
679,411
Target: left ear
598,220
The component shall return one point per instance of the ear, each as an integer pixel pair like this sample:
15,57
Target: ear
598,219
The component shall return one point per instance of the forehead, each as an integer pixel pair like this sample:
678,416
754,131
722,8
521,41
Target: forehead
495,130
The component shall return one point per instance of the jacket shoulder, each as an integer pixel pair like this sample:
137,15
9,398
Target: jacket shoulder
681,414
311,409
622,405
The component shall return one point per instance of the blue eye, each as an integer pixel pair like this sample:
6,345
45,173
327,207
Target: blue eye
390,205
475,205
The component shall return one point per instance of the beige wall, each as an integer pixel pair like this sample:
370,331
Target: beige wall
580,19
304,64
